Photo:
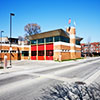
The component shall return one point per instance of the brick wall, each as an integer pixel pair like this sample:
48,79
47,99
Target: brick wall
65,55
15,54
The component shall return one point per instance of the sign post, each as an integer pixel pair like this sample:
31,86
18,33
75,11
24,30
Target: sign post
5,61
60,57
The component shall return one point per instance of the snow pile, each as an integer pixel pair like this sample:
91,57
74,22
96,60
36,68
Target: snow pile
74,91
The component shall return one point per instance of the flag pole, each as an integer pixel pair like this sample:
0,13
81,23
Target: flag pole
74,24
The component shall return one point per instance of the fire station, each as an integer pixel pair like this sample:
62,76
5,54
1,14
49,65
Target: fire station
55,45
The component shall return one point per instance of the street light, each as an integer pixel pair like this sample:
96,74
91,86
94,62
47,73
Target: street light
11,14
1,46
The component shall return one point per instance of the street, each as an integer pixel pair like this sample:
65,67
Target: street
29,78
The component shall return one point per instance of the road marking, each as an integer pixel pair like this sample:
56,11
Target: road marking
92,78
67,70
75,67
69,80
65,64
48,68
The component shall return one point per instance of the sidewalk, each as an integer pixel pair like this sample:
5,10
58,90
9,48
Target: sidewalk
41,64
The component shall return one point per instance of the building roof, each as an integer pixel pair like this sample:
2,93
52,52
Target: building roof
13,38
78,38
58,32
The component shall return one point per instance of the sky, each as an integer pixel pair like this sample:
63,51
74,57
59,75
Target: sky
51,15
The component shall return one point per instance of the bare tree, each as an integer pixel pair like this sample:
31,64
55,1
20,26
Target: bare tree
32,29
20,38
89,46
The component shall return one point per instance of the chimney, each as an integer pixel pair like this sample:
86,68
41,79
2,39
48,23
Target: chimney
73,30
72,33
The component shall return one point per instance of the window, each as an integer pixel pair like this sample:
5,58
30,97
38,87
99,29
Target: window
63,50
41,53
85,49
64,39
85,45
97,45
82,45
91,45
33,53
25,53
40,40
57,38
61,38
33,41
78,42
13,51
49,53
5,51
96,48
91,49
49,39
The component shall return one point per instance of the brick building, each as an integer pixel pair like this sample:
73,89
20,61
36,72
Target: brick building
55,45
91,49
18,52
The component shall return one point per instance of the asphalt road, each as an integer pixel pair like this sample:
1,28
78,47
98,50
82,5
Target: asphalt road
27,84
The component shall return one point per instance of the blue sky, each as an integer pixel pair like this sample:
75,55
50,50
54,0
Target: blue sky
51,15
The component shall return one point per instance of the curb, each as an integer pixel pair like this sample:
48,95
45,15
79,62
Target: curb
14,69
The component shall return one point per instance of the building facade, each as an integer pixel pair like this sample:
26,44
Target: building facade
55,45
18,52
91,49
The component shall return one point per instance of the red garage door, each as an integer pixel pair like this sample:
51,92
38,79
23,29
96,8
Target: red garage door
33,57
33,52
49,51
40,52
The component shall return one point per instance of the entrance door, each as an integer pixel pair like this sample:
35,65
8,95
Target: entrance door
49,51
41,52
33,52
49,55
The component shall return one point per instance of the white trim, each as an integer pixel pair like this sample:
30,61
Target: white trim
15,45
72,51
66,44
72,44
61,43
10,49
58,50
78,46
